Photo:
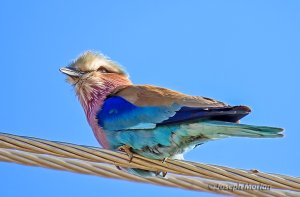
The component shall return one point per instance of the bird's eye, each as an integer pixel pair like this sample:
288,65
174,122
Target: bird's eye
102,70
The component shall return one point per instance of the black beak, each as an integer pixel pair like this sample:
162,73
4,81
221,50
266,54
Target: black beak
72,72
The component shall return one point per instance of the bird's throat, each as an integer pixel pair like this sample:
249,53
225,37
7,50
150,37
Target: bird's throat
92,95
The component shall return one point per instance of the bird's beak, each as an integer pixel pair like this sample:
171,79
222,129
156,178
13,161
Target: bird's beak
72,72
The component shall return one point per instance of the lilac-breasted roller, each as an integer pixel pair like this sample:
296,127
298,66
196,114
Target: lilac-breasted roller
151,121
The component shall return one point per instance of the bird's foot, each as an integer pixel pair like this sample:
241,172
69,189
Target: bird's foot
127,149
253,171
157,173
164,160
118,167
163,172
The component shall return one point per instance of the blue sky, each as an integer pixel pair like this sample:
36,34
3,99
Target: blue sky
241,52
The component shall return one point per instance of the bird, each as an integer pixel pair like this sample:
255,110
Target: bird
151,121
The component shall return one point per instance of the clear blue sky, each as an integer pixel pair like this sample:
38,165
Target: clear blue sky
241,52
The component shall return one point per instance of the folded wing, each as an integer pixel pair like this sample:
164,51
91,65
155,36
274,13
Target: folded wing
145,107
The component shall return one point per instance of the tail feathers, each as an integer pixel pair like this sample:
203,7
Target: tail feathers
242,130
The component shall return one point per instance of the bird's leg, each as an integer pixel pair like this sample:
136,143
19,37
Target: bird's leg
164,160
163,173
125,148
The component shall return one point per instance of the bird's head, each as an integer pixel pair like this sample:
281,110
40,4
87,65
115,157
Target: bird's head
94,75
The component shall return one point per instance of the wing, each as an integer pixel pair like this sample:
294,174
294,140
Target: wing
147,95
145,107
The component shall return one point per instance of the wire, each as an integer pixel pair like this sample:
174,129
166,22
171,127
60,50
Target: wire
182,174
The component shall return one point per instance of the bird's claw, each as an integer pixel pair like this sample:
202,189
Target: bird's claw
164,174
157,173
118,167
125,148
164,160
253,171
